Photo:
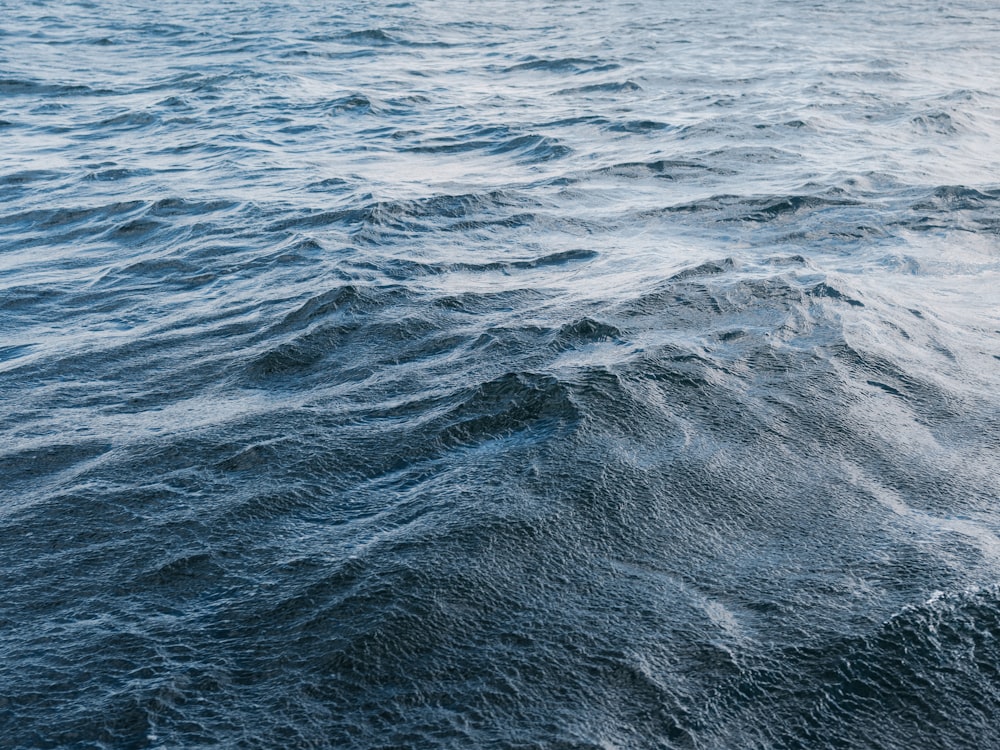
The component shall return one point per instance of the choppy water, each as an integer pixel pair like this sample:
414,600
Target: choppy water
500,375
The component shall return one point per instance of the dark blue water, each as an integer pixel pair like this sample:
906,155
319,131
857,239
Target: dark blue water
500,375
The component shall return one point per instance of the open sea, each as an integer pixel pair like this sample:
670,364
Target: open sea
507,375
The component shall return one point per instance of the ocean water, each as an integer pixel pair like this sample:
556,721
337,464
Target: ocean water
500,374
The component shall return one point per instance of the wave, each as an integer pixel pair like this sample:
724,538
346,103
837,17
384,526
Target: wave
909,675
32,87
372,221
611,87
496,140
574,65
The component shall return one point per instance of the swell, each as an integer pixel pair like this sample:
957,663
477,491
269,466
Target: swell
413,529
910,674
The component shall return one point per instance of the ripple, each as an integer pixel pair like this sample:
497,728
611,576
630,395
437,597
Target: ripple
499,376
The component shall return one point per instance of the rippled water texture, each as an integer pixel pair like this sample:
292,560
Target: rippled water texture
500,375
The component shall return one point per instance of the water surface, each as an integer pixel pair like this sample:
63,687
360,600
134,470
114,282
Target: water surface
500,375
